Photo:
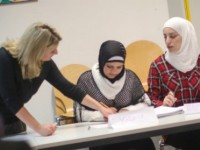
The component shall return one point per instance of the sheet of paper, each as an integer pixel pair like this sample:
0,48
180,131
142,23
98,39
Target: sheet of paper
99,126
163,111
138,118
192,108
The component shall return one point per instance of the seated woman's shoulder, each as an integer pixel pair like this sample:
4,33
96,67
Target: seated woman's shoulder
130,72
86,74
160,58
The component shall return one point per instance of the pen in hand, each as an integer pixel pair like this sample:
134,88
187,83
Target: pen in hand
104,105
169,99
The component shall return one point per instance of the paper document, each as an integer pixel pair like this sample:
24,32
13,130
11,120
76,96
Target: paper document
99,126
136,119
192,108
163,111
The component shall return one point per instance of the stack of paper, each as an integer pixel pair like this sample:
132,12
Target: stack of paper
163,111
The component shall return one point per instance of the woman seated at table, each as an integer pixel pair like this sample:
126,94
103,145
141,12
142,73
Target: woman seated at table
111,83
174,77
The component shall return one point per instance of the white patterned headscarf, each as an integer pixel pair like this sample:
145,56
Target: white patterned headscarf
185,59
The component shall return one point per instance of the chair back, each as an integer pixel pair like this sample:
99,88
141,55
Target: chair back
64,105
140,55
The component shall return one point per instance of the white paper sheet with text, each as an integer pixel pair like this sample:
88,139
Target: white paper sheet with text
136,119
192,108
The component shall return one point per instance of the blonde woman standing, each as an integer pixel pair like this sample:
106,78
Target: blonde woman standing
24,65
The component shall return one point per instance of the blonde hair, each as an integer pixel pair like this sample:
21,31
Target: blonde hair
31,47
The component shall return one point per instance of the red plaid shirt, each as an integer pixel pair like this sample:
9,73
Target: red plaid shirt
163,77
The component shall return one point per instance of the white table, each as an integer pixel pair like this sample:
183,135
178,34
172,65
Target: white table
74,136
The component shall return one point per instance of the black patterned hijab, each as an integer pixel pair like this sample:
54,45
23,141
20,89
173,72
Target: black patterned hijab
111,51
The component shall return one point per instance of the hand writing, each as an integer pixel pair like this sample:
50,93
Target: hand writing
170,99
107,111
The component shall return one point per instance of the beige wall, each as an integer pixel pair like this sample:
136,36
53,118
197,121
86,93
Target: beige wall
195,15
176,8
84,25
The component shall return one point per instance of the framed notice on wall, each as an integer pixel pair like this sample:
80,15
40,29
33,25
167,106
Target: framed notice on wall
14,1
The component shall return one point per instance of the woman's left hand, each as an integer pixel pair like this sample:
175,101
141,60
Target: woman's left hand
169,100
122,110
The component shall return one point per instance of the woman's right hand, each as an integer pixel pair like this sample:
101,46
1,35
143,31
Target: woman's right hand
43,129
169,100
110,110
107,111
46,129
